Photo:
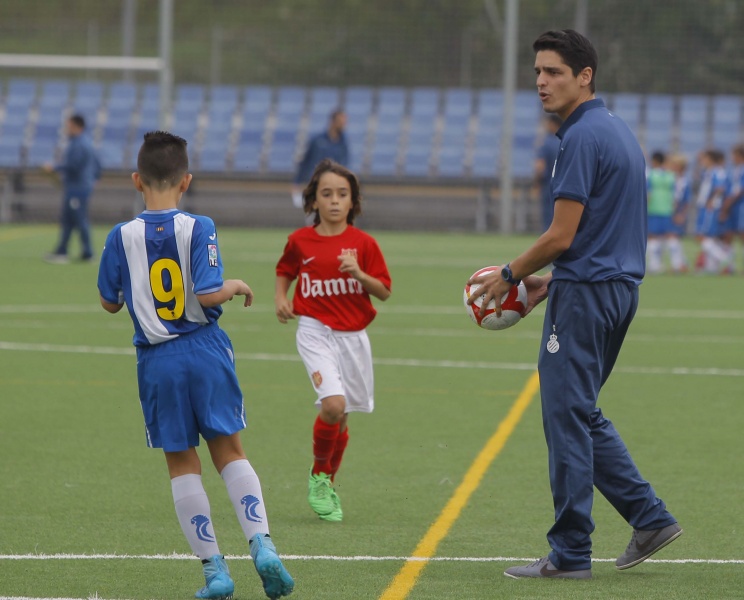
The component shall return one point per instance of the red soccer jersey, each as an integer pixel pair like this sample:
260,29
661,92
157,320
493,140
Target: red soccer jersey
323,292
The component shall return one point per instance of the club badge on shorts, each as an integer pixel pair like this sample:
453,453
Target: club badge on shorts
212,254
317,379
553,346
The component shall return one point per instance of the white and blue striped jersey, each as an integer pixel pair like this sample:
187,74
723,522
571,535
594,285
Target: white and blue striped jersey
157,264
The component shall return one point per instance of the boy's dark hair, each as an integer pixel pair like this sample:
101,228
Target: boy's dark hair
575,50
715,155
79,120
162,160
309,194
658,157
738,150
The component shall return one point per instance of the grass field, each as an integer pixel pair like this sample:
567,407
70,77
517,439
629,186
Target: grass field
86,508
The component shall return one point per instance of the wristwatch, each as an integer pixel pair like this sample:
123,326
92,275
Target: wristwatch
506,274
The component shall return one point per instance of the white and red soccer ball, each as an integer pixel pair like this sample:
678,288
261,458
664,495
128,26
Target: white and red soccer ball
513,304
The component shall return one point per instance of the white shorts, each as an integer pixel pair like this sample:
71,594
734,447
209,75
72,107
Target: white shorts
339,363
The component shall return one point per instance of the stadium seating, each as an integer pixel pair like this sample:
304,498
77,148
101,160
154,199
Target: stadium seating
393,132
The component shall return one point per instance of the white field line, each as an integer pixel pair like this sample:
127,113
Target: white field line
455,309
359,558
388,362
469,332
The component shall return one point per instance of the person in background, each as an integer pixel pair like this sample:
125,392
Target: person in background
80,169
682,196
660,182
714,186
544,161
731,216
330,143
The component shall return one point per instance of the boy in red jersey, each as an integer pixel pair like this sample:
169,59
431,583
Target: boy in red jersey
338,268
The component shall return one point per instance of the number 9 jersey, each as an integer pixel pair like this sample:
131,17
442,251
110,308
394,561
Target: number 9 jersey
157,264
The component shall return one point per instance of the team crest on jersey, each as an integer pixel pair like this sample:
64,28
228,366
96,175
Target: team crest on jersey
212,253
317,379
349,252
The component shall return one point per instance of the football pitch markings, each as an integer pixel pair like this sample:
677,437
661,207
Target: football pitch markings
406,578
456,309
388,362
357,558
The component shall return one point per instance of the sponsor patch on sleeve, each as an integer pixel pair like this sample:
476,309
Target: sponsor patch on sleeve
212,254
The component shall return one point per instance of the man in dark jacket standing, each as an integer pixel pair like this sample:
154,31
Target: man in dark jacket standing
79,170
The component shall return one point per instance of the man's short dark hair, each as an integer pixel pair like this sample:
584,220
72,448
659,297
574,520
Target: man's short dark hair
575,50
162,160
78,120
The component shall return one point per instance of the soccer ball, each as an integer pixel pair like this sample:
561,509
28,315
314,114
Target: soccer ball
513,305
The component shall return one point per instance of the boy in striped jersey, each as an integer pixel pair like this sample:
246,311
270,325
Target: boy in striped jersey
165,265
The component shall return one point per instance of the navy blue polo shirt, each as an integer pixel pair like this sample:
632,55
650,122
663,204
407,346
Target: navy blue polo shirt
601,165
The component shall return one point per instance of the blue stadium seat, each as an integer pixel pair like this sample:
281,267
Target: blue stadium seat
21,93
190,96
417,161
424,103
213,158
693,123
10,153
628,108
54,94
727,121
16,120
257,98
384,160
458,102
358,103
391,102
323,100
123,95
490,102
223,96
111,154
88,97
290,101
486,152
40,153
451,160
248,157
659,122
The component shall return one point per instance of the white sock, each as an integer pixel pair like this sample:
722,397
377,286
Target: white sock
244,490
714,255
653,257
728,250
192,508
677,256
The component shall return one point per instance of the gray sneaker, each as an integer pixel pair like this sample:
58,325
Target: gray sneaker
645,542
544,568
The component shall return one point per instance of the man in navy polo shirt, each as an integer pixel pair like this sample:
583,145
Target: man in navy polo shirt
597,244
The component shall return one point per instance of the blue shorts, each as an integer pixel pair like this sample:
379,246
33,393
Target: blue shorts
706,222
735,221
659,224
188,387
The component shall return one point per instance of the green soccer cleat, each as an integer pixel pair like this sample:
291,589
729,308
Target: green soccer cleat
220,585
323,500
277,582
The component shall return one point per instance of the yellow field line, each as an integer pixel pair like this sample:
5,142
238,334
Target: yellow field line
406,578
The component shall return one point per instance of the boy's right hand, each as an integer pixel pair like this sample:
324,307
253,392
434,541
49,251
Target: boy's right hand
284,310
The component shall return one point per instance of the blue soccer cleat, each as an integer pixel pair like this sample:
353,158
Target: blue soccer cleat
277,582
220,585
